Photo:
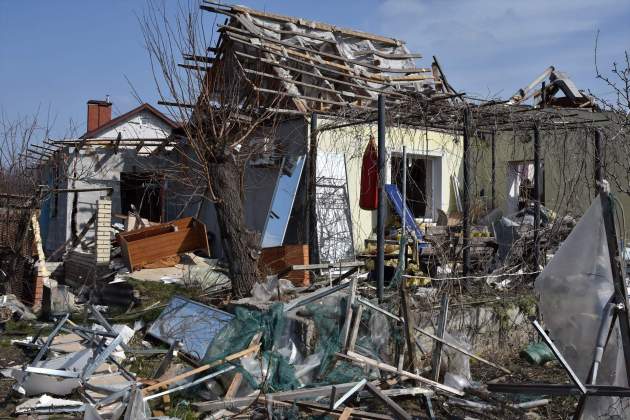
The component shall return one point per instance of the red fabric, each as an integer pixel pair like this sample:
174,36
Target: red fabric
369,178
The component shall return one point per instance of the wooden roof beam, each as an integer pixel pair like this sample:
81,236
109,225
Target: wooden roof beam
198,58
285,44
216,7
194,67
177,104
324,65
315,75
140,146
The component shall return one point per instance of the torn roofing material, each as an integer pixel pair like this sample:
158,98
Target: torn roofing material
319,67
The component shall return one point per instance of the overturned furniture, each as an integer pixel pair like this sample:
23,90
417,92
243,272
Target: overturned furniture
155,243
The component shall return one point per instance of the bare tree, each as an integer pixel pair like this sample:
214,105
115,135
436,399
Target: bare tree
19,195
616,104
226,123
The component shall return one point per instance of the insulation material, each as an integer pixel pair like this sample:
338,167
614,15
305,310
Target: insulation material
36,383
46,403
574,288
319,66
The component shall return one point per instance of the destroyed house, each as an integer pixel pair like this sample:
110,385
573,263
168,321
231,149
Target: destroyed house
504,160
315,74
115,160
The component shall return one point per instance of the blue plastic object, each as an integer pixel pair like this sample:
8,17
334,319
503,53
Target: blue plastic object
395,198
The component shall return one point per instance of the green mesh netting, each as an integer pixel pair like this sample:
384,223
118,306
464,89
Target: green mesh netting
237,336
239,332
328,316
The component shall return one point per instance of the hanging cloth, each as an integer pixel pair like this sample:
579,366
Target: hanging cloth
369,178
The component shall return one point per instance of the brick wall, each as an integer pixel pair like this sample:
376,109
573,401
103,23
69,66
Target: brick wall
103,230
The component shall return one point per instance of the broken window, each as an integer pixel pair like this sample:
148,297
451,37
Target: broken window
143,191
422,176
521,185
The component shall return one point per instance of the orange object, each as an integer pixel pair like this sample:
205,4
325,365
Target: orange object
157,243
276,259
369,178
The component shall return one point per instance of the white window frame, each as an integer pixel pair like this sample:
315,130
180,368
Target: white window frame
436,157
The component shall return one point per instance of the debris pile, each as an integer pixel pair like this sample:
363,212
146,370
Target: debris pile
180,345
290,302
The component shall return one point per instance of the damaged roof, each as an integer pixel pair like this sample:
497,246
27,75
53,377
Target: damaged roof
558,90
126,116
319,67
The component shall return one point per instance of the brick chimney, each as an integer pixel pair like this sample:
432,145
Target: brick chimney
98,113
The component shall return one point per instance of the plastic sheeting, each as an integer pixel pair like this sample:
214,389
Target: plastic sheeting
574,288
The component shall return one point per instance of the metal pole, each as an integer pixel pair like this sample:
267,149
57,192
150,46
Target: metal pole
466,198
621,293
599,173
494,171
537,196
380,216
313,248
404,200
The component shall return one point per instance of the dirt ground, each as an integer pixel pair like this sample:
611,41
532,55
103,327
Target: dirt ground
9,355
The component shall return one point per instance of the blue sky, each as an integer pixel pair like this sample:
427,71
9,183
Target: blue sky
55,55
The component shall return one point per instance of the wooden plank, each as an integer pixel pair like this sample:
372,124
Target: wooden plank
408,326
345,414
153,243
436,357
238,377
319,76
330,56
464,351
356,414
355,329
345,329
302,22
200,369
297,394
59,251
396,410
311,98
310,85
375,77
359,358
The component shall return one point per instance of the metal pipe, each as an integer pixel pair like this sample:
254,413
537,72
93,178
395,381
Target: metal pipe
599,173
313,247
621,292
380,215
559,356
602,339
494,170
537,196
466,197
404,208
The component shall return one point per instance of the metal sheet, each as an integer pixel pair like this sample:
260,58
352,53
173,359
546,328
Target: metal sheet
193,324
282,203
393,194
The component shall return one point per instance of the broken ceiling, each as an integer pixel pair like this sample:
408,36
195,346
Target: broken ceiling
316,66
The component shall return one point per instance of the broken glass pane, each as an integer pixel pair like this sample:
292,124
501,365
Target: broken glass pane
282,202
193,324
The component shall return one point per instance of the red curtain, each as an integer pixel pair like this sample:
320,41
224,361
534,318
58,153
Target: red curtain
369,178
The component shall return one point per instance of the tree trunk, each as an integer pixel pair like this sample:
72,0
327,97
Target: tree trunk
241,245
